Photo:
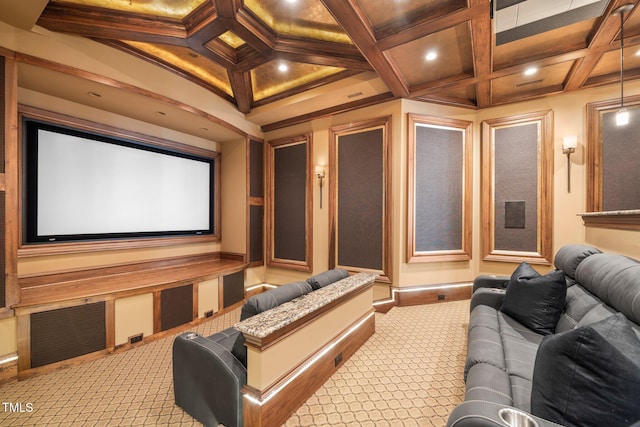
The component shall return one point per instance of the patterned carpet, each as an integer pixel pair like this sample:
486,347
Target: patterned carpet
408,374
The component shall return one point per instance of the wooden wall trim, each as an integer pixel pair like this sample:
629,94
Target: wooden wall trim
12,196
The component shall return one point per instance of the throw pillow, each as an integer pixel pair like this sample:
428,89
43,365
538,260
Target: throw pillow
589,376
327,277
535,301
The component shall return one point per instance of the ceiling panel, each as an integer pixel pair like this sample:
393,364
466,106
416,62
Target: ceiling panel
301,18
454,56
386,14
275,77
546,80
166,8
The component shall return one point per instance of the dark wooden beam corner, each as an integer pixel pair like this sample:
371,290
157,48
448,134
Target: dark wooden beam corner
242,91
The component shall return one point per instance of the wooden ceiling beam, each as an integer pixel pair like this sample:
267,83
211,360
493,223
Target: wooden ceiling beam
602,36
89,21
320,52
242,90
481,44
354,22
430,25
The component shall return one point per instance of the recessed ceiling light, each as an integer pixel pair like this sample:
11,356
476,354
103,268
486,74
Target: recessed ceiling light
283,67
530,71
95,94
431,55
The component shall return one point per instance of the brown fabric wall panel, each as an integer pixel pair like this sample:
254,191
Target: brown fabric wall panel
289,205
360,199
233,288
516,179
255,230
176,307
62,334
620,154
256,167
438,193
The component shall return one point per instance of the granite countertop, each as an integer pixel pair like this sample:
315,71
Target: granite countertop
267,322
611,213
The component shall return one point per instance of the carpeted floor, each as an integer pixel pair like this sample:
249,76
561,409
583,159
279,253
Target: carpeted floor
408,374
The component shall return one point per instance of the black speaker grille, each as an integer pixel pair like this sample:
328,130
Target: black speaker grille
65,333
176,307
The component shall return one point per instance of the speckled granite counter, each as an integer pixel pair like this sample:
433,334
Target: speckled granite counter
612,213
266,323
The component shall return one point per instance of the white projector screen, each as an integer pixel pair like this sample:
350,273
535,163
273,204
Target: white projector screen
89,187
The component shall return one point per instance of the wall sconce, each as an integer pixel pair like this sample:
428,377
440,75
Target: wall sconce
320,175
569,144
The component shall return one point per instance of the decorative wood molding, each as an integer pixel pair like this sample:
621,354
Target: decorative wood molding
272,259
335,132
544,233
594,161
413,255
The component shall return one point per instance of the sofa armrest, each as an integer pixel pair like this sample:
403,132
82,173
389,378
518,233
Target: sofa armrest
490,281
207,380
480,413
493,297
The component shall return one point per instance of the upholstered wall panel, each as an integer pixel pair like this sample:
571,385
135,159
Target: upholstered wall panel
176,307
438,189
233,288
255,230
620,154
289,202
256,166
66,333
516,179
360,199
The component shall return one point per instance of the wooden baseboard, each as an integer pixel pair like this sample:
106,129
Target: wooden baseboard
261,410
9,372
418,295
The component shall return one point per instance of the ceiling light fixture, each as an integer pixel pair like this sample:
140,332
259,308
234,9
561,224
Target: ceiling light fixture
431,55
622,116
283,68
530,71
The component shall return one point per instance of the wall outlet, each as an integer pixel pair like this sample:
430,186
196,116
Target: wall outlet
208,313
338,359
136,338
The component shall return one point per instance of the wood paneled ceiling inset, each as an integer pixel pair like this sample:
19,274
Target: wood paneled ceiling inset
325,41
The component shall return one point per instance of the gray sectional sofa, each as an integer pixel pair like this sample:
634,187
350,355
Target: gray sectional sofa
209,372
558,349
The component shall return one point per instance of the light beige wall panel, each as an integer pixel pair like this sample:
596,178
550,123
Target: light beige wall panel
208,297
8,336
233,183
133,316
272,364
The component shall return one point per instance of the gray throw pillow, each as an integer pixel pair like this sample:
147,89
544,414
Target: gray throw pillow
535,301
273,298
589,376
327,277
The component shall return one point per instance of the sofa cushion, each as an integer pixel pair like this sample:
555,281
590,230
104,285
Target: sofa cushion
615,279
327,277
535,301
588,376
579,303
569,257
233,340
273,298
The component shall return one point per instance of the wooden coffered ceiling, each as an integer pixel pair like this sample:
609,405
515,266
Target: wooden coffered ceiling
257,53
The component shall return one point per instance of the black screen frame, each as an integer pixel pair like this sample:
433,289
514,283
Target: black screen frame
30,127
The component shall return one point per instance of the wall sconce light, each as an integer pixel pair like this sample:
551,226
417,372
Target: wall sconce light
569,144
320,175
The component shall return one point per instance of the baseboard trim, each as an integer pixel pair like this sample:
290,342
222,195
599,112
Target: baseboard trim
427,294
